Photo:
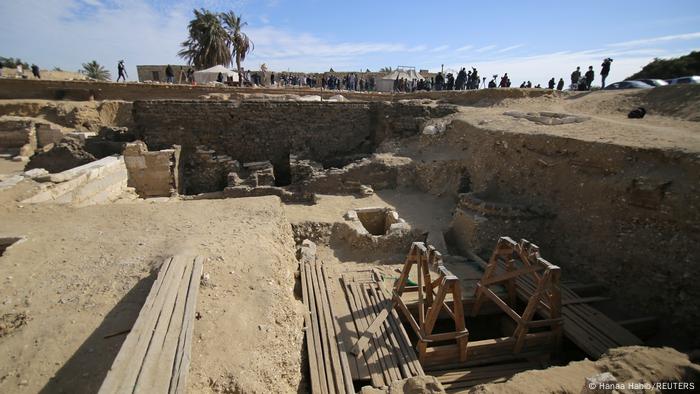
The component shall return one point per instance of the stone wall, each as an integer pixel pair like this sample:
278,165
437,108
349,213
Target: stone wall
18,136
97,182
153,174
250,131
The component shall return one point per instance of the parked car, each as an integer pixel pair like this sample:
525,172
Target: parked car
628,85
682,80
654,82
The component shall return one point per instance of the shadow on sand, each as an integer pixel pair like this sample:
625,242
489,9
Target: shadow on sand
88,367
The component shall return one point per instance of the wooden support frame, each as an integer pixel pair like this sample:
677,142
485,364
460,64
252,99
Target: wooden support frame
431,303
545,296
509,264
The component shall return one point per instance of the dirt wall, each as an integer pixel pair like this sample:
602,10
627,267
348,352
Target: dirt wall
622,216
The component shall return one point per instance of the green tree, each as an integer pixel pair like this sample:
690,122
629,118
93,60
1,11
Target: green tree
11,62
95,71
240,43
208,43
671,68
386,70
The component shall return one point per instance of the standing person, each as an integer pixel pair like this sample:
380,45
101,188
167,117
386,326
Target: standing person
551,83
169,74
220,78
20,71
605,70
575,76
121,71
590,76
190,75
504,81
35,71
560,85
272,79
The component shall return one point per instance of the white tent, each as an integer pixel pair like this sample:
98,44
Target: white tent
386,83
211,74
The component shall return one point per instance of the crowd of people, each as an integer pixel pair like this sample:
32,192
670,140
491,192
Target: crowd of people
327,82
465,80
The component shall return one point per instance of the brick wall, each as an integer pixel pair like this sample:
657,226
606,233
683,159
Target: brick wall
262,130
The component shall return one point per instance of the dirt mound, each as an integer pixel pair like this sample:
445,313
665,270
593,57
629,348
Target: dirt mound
63,156
628,365
485,97
681,101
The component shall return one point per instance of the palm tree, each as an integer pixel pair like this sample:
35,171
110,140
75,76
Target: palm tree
95,71
209,43
241,45
385,70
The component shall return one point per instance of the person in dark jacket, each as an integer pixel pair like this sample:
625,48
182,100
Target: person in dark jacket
605,69
590,76
575,76
121,71
169,74
35,71
560,85
551,83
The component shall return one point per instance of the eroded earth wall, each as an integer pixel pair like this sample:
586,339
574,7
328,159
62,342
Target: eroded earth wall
623,216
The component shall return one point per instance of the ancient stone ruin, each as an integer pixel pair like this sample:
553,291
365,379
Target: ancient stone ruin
238,240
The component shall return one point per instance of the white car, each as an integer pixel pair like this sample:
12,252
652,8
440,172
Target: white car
683,80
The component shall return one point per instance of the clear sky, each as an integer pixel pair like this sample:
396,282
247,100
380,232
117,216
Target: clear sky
530,40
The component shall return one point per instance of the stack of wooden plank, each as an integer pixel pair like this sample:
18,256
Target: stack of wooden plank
155,356
389,354
457,380
329,368
586,326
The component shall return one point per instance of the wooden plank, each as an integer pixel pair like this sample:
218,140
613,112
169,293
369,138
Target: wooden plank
310,336
333,386
322,364
378,321
404,339
372,357
155,372
178,383
340,369
391,352
377,348
344,327
169,292
394,338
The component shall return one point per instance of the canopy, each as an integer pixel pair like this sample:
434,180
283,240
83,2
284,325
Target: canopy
386,83
405,74
211,74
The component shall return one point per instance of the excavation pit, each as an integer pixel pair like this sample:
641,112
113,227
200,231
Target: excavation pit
8,242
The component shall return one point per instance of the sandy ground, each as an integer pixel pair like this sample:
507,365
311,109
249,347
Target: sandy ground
605,125
9,168
83,274
45,74
420,210
629,365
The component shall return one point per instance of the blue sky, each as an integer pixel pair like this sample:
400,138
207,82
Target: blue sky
531,40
